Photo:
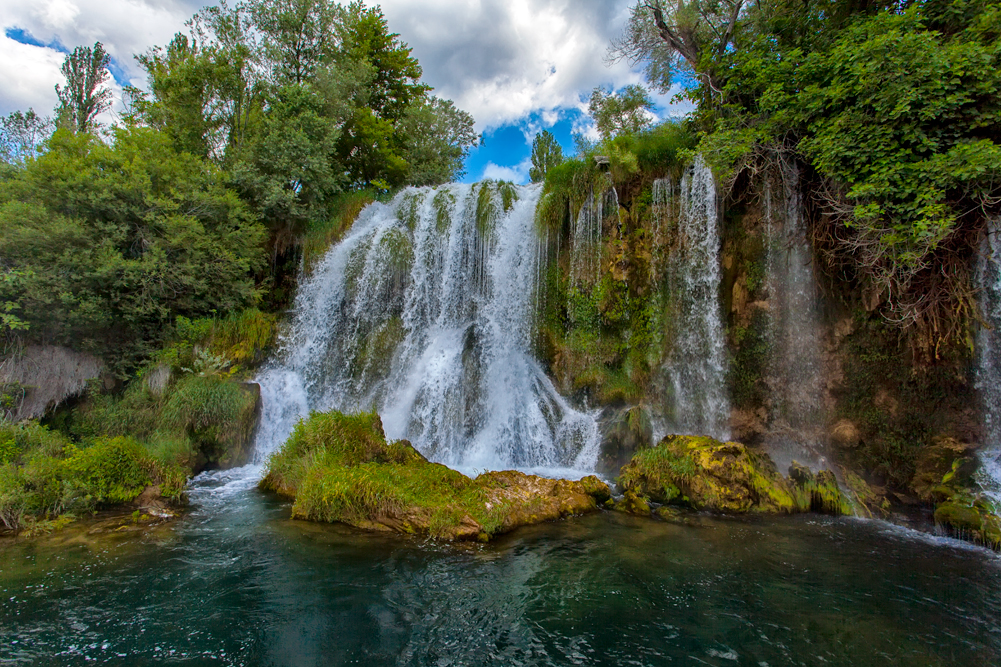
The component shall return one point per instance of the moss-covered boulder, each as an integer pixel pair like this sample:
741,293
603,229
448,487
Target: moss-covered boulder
970,517
341,468
706,474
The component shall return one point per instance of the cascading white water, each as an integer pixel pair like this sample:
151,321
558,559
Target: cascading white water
989,361
423,312
696,368
795,371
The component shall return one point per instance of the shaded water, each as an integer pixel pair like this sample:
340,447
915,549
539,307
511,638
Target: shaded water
423,312
237,583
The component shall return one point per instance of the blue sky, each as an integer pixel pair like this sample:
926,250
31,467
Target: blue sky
518,66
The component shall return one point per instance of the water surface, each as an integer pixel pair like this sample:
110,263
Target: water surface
235,582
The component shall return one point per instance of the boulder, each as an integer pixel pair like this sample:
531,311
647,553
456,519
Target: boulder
706,474
341,468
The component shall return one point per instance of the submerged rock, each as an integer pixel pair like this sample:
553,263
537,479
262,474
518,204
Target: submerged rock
341,468
706,474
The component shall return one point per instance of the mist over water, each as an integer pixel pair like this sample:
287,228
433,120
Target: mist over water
423,312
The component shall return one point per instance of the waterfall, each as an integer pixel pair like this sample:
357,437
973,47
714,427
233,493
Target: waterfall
695,370
795,373
585,242
423,312
989,360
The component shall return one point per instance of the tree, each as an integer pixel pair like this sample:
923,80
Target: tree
83,98
22,135
437,139
297,36
626,112
546,154
673,35
109,244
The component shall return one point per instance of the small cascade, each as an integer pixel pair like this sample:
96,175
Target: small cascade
663,208
423,312
585,242
795,372
989,360
695,370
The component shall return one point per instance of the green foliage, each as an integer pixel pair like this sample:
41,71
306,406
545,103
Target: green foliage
625,112
43,475
546,154
22,135
84,98
322,234
113,242
436,137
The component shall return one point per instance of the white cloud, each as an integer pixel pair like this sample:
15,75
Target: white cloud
504,59
29,79
516,174
501,60
125,27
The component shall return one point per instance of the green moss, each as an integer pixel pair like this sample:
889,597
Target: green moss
409,208
751,353
443,202
486,208
898,405
702,473
340,467
322,235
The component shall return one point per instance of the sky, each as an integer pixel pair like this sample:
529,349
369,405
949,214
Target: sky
519,66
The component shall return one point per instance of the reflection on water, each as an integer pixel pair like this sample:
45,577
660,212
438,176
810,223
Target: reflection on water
236,583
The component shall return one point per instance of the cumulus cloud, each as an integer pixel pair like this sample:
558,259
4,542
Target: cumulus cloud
516,174
503,59
125,27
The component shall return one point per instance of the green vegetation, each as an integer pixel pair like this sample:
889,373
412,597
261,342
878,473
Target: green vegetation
340,468
546,154
44,477
893,107
702,473
604,337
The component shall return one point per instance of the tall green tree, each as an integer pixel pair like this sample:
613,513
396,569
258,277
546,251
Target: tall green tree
546,154
436,140
83,98
110,243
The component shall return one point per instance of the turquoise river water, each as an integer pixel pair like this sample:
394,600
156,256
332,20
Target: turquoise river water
235,582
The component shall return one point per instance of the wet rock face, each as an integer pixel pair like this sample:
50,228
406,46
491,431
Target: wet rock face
626,431
706,474
340,468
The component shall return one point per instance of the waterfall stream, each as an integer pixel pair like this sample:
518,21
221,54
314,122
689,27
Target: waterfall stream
795,372
696,368
989,360
423,312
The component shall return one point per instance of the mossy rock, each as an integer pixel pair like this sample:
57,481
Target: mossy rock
706,474
946,461
968,516
341,468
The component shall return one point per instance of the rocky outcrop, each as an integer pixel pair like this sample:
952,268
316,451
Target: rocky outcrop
706,474
40,377
340,468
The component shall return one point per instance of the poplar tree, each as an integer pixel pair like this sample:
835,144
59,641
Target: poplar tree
83,98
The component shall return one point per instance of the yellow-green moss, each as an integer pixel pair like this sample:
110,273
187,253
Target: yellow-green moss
341,468
703,473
